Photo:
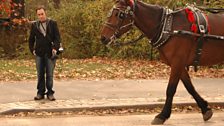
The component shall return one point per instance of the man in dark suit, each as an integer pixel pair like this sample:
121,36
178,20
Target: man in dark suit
44,41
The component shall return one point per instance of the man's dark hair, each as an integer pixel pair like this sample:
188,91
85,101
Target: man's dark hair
40,7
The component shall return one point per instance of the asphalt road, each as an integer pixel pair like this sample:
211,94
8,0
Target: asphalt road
189,119
210,89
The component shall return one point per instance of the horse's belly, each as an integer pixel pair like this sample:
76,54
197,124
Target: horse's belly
212,53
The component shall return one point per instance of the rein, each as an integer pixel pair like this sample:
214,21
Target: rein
129,42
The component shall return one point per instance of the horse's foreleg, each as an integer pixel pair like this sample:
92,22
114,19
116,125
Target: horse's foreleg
170,91
206,111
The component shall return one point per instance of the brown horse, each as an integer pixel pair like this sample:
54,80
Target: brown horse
179,50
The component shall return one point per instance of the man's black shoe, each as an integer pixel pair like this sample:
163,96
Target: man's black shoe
51,97
39,97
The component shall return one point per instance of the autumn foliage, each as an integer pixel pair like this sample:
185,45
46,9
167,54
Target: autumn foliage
14,10
13,26
80,23
5,8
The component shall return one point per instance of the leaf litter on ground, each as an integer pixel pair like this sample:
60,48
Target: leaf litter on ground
100,69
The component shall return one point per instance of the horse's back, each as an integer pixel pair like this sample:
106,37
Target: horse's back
216,24
213,49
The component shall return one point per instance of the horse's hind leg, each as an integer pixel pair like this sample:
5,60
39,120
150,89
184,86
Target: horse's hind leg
206,111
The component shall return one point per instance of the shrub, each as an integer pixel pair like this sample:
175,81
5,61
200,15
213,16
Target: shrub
80,23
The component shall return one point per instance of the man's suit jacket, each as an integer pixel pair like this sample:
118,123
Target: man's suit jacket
43,44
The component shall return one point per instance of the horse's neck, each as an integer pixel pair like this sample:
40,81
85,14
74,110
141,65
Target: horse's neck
147,18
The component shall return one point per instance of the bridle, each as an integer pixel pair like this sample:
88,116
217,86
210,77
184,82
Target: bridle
123,13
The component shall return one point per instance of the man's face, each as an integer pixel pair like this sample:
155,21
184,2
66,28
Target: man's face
41,15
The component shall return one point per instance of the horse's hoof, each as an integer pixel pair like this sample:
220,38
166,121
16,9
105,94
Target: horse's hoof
207,115
158,121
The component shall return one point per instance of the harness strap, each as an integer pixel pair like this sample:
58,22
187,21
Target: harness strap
200,40
207,36
198,52
202,25
165,27
129,42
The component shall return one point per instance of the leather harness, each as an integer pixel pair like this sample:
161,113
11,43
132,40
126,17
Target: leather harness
166,32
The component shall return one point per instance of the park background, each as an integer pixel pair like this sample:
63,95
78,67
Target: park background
80,23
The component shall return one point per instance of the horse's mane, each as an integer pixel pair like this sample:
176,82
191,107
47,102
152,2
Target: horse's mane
146,5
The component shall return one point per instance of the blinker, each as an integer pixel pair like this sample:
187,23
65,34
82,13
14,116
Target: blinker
128,9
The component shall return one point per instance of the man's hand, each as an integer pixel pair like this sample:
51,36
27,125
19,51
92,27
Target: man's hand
54,52
34,52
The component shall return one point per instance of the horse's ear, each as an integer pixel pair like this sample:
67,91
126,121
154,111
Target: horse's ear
116,1
128,2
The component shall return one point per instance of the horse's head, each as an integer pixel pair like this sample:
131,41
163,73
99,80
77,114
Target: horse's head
119,21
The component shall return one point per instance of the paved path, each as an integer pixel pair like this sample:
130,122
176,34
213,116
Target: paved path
73,94
190,119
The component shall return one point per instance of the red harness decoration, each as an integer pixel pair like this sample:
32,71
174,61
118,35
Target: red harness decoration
132,2
191,19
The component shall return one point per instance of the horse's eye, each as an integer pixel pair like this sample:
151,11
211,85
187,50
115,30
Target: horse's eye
121,15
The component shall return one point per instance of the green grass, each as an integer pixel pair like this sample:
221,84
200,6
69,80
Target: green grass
17,69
